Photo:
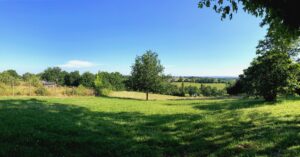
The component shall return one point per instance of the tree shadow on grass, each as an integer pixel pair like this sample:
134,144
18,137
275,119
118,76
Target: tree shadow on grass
122,98
38,128
234,104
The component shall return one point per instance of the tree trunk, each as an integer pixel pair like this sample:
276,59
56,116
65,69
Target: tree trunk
272,96
147,96
30,89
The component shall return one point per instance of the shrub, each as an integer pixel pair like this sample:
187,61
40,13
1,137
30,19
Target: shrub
82,91
236,88
42,91
70,92
211,91
192,91
79,91
102,91
4,89
169,89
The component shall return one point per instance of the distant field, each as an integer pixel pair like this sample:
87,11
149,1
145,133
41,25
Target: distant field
112,127
217,85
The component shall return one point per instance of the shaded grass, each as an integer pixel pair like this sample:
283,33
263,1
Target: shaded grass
88,126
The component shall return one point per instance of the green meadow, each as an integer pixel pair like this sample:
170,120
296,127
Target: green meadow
103,126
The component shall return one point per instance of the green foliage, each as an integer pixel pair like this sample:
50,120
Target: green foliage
114,80
205,80
236,88
98,81
198,85
281,15
42,91
72,79
147,72
102,91
270,74
78,91
54,74
12,73
192,90
211,91
31,79
8,78
82,91
4,89
167,88
87,79
102,86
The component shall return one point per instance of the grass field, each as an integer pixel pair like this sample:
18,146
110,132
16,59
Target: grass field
89,126
141,96
186,84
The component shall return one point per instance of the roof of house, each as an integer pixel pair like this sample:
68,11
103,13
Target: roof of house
46,83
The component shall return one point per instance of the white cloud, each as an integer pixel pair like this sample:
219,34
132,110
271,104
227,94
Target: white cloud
77,64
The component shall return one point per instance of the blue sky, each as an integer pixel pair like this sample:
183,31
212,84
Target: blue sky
106,35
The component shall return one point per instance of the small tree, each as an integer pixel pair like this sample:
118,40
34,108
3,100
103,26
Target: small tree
147,73
101,87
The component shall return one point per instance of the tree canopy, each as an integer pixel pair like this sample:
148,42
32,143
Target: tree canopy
87,79
72,78
282,16
54,74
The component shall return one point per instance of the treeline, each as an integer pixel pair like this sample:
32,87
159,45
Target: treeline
204,79
113,81
101,83
193,91
75,83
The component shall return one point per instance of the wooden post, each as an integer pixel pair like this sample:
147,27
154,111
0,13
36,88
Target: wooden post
147,95
29,88
65,91
13,87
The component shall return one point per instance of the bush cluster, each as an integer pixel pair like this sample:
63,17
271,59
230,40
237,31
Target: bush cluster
79,91
170,89
42,91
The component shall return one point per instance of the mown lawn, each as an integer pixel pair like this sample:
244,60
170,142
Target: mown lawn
89,126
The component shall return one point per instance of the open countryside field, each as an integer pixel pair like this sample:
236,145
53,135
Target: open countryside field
186,84
96,126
